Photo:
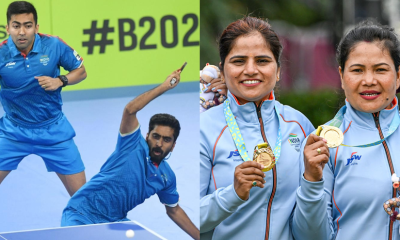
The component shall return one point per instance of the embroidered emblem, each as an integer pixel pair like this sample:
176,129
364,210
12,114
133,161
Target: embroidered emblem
44,59
294,141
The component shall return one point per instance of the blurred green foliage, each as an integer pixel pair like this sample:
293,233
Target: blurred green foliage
216,15
318,106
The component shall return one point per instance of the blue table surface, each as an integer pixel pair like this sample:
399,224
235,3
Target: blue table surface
107,231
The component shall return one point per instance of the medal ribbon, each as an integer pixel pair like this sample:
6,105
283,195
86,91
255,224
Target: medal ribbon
237,136
338,119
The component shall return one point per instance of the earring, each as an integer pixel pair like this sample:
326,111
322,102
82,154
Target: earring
222,79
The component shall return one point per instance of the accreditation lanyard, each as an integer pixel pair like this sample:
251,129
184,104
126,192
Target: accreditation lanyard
237,136
338,119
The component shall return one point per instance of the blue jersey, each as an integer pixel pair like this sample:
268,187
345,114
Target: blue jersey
125,180
23,99
348,202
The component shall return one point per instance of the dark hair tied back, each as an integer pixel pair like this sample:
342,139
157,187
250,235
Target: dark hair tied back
369,31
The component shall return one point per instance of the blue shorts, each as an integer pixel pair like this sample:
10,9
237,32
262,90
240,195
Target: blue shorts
72,217
53,143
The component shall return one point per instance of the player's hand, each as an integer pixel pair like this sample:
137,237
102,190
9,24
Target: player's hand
217,86
316,155
173,79
245,174
48,83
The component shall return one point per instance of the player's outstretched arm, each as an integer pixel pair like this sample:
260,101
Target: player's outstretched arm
76,75
129,121
182,220
52,84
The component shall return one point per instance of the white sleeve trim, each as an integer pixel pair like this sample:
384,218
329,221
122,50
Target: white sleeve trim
172,205
80,64
127,134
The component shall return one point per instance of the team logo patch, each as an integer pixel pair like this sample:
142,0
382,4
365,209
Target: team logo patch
235,156
164,178
10,65
77,55
350,161
44,59
294,141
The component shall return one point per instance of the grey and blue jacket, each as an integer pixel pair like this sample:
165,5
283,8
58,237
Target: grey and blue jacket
348,202
268,211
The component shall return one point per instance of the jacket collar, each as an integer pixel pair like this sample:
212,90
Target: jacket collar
248,111
366,120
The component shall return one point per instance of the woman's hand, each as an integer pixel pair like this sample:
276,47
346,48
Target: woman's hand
316,155
217,86
245,174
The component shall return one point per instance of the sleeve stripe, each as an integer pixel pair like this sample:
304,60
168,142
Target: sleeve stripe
48,35
3,42
127,134
337,149
172,205
337,221
212,173
333,192
215,145
297,123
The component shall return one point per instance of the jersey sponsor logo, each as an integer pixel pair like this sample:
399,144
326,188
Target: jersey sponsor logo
294,141
350,161
10,64
44,59
78,57
164,178
234,153
235,156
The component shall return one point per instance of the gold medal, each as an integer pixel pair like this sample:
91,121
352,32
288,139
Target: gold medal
333,135
264,155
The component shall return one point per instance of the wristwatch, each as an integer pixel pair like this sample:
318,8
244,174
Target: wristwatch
64,80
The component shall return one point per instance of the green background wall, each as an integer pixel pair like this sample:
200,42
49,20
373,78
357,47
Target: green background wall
135,65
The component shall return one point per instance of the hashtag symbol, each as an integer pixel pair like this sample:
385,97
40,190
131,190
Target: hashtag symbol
93,31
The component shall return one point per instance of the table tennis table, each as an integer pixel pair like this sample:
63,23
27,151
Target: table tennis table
105,231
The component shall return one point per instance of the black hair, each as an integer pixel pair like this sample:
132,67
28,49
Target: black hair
164,119
20,7
245,26
369,31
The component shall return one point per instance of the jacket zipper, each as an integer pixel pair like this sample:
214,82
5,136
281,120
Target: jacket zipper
271,198
376,118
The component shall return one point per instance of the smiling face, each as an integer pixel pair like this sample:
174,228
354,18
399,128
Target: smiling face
250,69
161,142
22,29
369,79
